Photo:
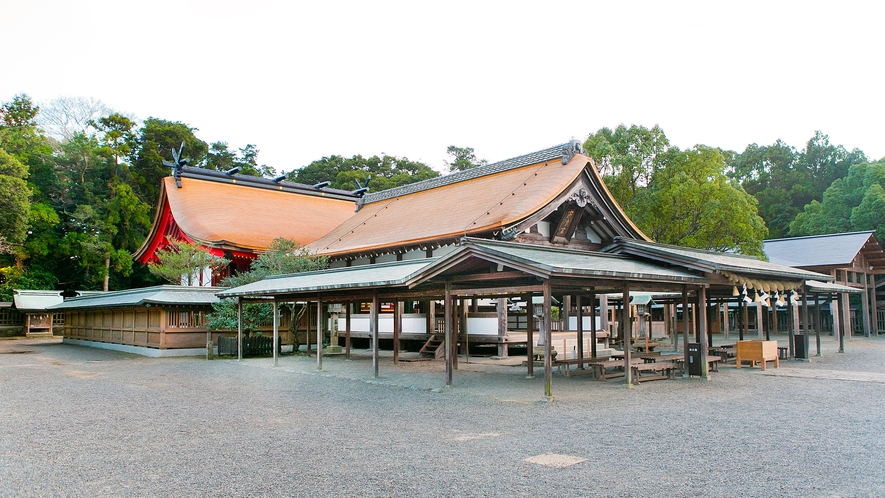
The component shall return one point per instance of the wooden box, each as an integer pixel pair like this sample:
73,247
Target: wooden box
757,351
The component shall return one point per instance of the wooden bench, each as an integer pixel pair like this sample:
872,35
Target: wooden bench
712,361
756,352
600,369
665,368
565,364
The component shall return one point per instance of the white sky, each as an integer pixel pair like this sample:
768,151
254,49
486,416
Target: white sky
304,80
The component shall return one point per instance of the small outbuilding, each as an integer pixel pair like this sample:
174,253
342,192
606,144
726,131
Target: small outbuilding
165,320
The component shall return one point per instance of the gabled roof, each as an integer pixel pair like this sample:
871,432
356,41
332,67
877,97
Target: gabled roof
838,249
554,261
483,201
712,262
239,212
158,295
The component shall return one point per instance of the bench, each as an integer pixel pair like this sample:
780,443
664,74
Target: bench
565,364
665,368
757,352
712,361
600,369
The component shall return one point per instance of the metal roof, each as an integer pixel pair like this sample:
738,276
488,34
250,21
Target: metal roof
36,300
711,261
366,276
538,260
836,249
559,261
159,295
817,287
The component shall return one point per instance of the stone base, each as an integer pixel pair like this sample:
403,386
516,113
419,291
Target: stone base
333,350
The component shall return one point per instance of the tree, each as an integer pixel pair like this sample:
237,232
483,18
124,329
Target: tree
784,180
221,158
627,157
385,172
182,262
14,204
153,144
60,118
282,257
851,203
464,159
690,202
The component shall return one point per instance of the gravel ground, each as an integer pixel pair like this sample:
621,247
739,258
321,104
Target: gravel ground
77,421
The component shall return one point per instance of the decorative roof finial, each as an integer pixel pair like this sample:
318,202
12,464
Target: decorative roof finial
570,149
177,164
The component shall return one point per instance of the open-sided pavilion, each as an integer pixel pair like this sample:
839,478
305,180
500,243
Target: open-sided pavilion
480,268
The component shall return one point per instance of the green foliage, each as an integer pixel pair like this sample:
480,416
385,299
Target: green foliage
386,172
463,158
153,144
13,277
182,262
690,202
14,204
282,257
221,158
784,180
627,158
852,203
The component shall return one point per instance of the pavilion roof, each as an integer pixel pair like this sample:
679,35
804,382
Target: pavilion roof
739,268
529,259
837,249
169,295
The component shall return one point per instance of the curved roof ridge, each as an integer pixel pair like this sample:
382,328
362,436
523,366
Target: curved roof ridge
547,154
840,234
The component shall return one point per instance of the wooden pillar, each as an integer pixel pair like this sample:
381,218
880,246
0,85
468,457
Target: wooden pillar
307,326
865,305
593,325
430,325
702,333
320,324
726,327
845,306
625,318
794,317
834,315
875,307
603,312
503,350
373,328
579,315
843,326
397,328
462,328
772,325
348,307
529,332
745,327
759,327
447,305
546,329
806,324
815,321
685,331
565,313
276,331
239,328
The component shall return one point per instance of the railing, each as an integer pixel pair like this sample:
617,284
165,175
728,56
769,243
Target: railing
186,319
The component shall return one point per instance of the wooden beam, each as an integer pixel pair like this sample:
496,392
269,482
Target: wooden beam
548,339
320,333
373,327
479,277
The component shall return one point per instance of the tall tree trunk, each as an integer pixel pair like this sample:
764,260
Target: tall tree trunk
107,273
